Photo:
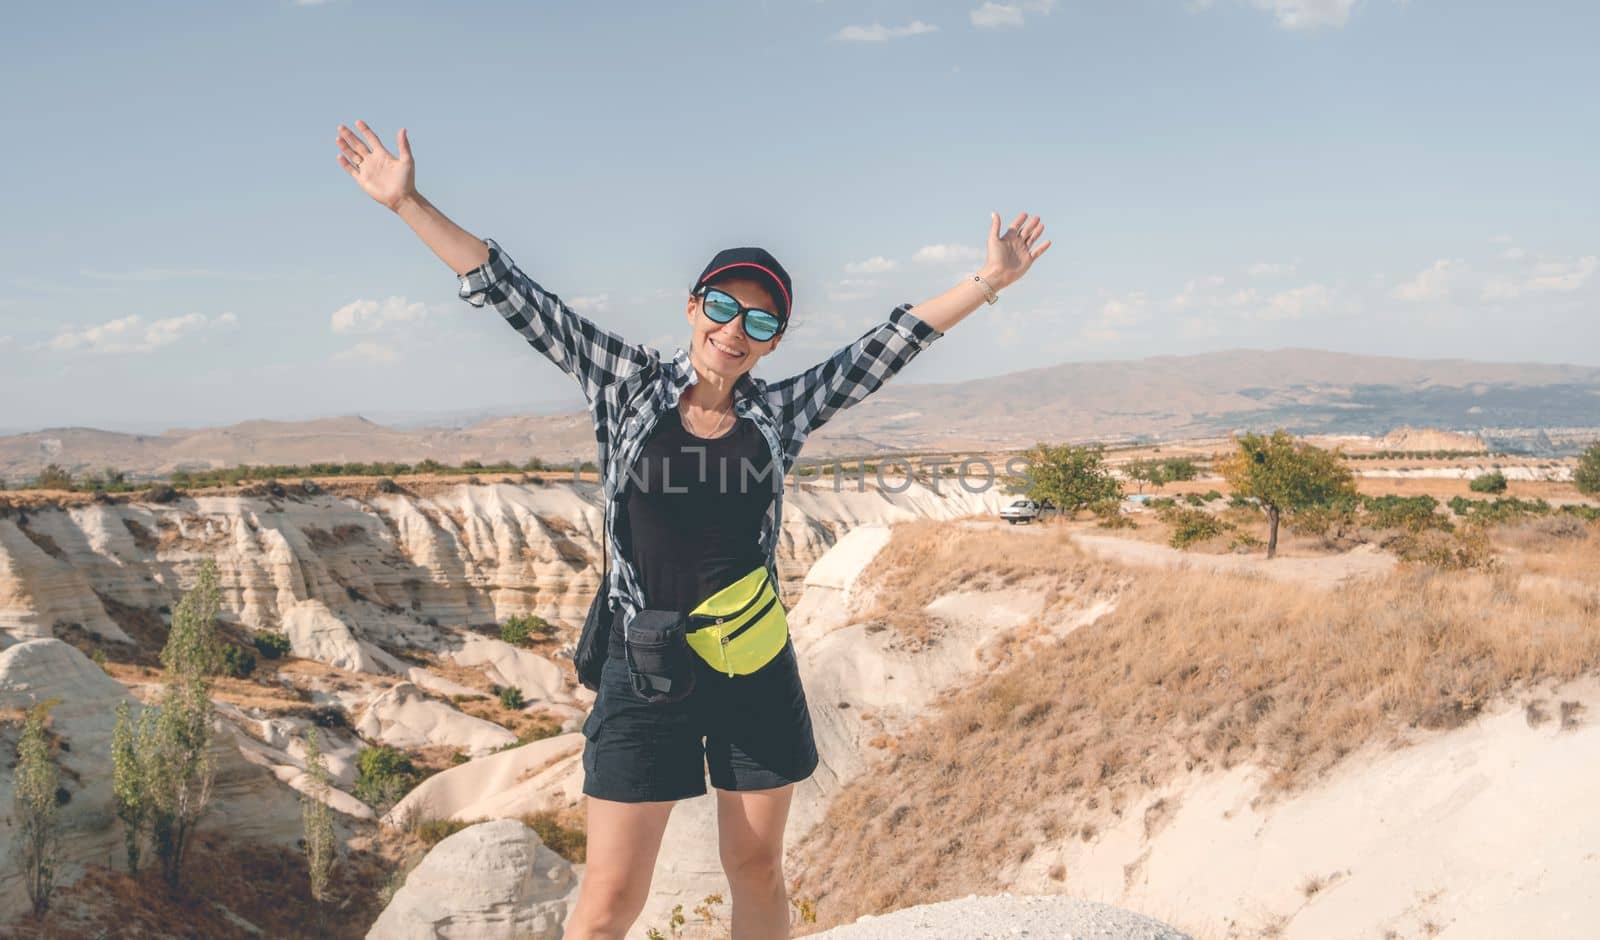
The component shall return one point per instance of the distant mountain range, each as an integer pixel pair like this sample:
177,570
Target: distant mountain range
1518,406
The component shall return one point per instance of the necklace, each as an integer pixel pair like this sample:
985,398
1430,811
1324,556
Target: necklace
683,413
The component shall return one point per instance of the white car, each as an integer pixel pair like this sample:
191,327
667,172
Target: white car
1023,510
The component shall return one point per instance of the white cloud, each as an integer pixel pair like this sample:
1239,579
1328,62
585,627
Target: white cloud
1307,14
939,254
369,316
1562,276
133,334
1005,15
1296,303
1434,283
1500,288
368,350
593,303
874,265
880,33
1271,268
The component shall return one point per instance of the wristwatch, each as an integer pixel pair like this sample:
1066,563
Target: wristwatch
988,291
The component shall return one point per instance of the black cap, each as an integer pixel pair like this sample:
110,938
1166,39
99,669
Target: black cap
757,264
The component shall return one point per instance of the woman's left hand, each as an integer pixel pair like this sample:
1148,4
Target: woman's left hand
1011,253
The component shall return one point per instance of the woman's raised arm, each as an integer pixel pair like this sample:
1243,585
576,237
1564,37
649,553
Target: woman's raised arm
593,356
391,180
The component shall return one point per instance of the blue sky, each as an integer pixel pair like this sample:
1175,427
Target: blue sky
179,245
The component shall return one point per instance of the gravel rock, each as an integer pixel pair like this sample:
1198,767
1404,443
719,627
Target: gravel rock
1004,917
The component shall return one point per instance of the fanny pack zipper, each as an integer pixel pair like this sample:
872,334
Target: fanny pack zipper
745,626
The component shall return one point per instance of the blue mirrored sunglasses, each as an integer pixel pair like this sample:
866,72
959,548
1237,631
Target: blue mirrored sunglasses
760,325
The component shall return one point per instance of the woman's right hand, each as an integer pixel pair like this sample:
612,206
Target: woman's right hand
385,177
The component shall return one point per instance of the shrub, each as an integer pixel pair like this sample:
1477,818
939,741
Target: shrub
1586,476
271,645
1463,549
160,493
510,697
386,485
1411,513
238,662
1111,516
1500,509
53,477
1212,494
434,831
1191,525
568,842
1493,482
1194,499
524,629
383,775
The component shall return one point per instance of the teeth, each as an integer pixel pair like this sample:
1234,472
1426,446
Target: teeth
725,349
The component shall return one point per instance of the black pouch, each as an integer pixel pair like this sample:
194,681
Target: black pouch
659,658
593,644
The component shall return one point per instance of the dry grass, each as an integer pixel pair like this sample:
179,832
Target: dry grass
925,559
1190,672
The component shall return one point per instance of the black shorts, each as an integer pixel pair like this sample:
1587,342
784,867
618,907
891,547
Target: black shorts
748,732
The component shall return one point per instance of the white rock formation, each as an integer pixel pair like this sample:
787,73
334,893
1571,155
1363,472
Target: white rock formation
407,718
526,779
492,881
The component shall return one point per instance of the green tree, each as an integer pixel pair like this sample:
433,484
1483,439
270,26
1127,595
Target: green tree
1286,476
1587,474
193,648
128,785
37,844
1071,477
166,786
318,822
53,477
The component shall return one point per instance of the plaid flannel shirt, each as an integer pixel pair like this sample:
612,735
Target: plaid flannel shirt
629,387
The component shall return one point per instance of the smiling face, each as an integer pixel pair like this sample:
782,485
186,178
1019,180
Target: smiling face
723,349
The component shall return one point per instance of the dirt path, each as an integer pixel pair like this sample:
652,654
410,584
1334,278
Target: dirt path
1327,571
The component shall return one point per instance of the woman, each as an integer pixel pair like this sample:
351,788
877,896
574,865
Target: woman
693,450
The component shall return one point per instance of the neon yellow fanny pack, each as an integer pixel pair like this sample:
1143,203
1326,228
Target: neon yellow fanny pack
740,628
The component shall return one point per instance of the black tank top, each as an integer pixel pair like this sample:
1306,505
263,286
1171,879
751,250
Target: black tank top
694,508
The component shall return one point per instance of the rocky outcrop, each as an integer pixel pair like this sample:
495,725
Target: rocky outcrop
525,779
405,717
487,882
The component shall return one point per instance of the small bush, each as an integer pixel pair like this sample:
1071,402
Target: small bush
570,843
1194,499
1212,494
1494,482
386,485
384,774
160,493
1190,526
511,697
1110,514
434,831
1460,550
271,645
525,629
1411,513
238,662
